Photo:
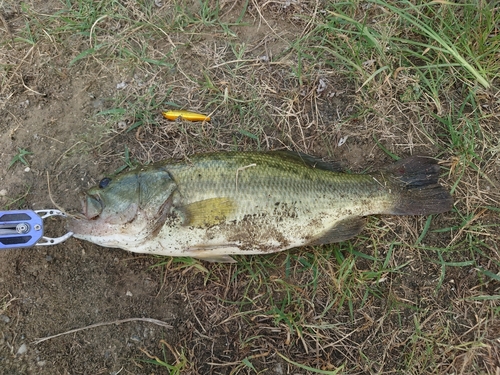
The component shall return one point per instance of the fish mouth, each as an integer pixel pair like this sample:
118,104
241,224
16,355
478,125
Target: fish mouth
92,206
83,224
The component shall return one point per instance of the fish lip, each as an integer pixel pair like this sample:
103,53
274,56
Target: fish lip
92,206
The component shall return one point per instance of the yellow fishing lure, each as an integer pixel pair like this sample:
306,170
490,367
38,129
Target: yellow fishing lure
185,115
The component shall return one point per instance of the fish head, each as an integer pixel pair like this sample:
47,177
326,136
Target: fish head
122,211
113,201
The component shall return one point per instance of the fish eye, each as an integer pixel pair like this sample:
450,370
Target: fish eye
104,182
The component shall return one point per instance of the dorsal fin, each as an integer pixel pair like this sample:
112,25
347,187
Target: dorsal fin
308,160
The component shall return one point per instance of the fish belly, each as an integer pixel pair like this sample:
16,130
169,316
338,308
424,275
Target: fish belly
255,234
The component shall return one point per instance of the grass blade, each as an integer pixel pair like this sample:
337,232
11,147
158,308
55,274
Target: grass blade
312,369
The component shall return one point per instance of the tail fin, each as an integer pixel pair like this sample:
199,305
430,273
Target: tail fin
416,181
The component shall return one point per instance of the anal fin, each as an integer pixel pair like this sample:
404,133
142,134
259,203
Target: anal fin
341,231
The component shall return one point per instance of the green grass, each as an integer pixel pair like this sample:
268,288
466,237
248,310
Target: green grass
20,157
431,39
180,365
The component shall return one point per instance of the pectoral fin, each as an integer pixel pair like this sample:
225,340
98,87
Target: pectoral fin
208,212
341,231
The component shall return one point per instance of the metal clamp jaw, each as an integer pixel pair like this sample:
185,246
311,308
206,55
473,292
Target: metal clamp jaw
24,228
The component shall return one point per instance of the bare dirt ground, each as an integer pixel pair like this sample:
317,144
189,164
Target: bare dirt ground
222,318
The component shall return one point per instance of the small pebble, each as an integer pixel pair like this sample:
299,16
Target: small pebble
135,338
342,140
98,103
129,293
3,193
27,169
321,86
22,349
5,318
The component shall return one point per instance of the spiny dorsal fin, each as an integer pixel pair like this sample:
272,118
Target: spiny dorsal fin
308,160
208,212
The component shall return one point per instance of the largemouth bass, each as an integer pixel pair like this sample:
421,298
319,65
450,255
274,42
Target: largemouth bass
219,204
